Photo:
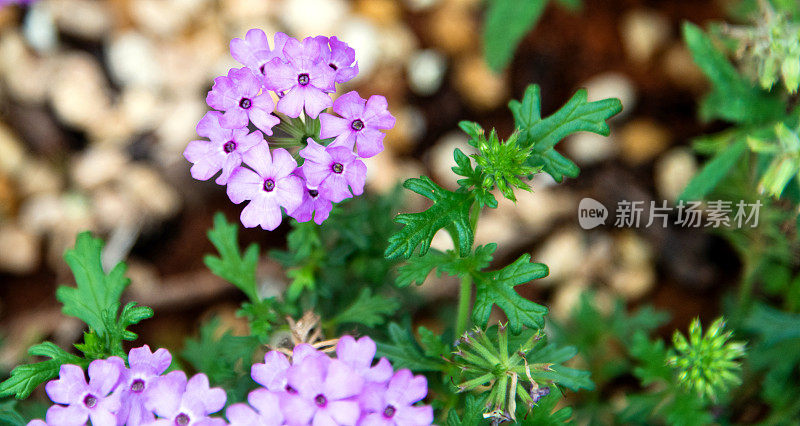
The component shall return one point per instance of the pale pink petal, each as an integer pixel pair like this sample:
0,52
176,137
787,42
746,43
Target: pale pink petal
369,142
291,103
350,105
357,177
234,118
290,191
341,381
259,158
73,415
243,184
332,126
316,101
70,384
283,164
344,412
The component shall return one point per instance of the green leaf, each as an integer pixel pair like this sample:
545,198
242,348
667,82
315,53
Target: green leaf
473,413
545,412
417,268
543,134
25,378
713,172
432,343
9,415
96,292
450,211
475,262
368,309
405,352
497,288
734,97
507,22
231,265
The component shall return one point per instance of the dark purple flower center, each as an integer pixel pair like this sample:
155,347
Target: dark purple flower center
389,411
90,401
290,390
337,168
182,419
261,68
245,103
303,79
313,193
537,394
269,185
357,125
137,385
333,66
229,147
320,400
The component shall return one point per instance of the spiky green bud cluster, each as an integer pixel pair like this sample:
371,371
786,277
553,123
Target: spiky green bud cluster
785,165
707,364
770,50
498,164
507,376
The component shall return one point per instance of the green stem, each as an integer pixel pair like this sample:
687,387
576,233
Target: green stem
464,299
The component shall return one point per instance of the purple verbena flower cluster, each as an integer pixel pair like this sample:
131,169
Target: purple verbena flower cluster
301,75
310,389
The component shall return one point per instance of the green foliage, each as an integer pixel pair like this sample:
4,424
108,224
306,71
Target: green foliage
9,415
27,377
226,359
450,211
713,172
733,98
95,300
497,288
514,368
405,352
368,309
543,134
776,354
237,268
507,22
473,413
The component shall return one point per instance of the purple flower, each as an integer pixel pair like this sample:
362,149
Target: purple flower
238,95
178,402
145,368
393,404
254,52
269,186
360,123
314,205
301,79
272,373
358,354
222,152
332,169
339,57
322,392
35,422
82,401
265,410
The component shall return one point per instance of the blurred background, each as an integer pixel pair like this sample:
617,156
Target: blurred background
98,100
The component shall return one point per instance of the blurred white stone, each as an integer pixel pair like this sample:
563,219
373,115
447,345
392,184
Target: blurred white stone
164,18
39,28
441,158
26,76
673,171
79,93
385,171
112,209
89,19
495,226
566,298
132,60
12,155
643,33
563,253
612,85
537,210
426,71
397,43
308,18
41,213
141,108
177,128
586,148
633,275
420,5
362,36
19,250
442,241
97,166
148,191
38,177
